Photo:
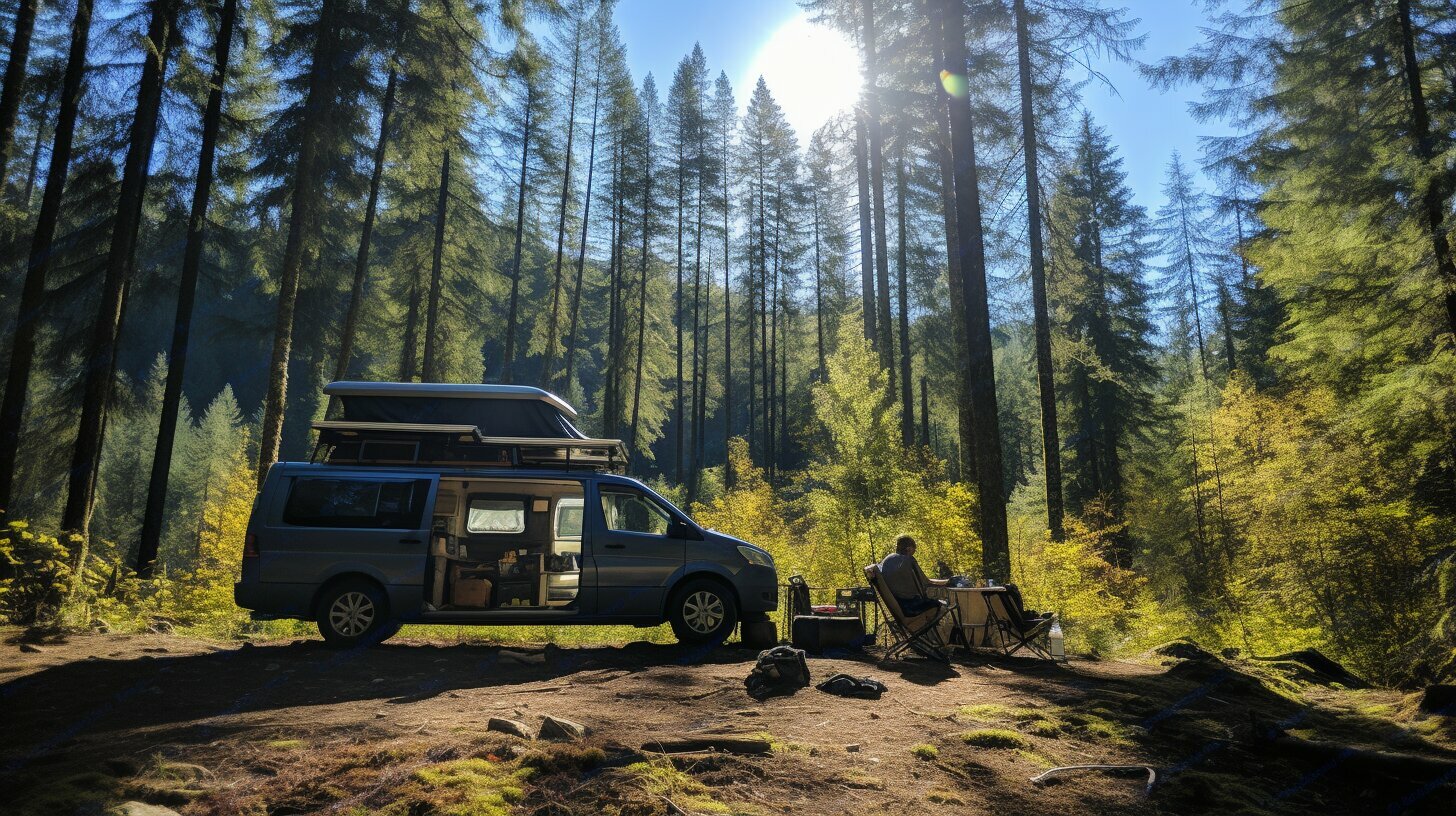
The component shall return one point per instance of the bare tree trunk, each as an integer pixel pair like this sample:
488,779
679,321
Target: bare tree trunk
818,290
32,293
34,169
14,89
361,260
970,241
907,385
677,418
642,294
151,532
548,364
429,369
1051,446
99,369
591,167
866,230
924,412
513,310
411,342
965,427
728,476
876,132
301,220
611,398
1433,197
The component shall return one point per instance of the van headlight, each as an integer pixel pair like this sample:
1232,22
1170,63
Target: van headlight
755,556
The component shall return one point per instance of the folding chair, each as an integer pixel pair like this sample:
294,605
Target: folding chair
1020,630
920,634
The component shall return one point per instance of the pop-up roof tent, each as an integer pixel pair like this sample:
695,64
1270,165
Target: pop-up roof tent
496,425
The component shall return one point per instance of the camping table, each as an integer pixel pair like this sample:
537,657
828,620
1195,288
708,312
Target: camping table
980,609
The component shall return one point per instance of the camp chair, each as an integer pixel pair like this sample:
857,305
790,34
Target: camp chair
920,634
1019,628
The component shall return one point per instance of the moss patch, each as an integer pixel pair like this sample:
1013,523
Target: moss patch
1000,738
941,797
472,787
925,751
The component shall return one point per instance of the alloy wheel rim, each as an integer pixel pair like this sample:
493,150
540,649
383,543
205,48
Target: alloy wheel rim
351,614
703,611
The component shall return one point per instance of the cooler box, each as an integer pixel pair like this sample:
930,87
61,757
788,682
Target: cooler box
820,633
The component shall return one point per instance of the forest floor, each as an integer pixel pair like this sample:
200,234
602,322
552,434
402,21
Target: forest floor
290,727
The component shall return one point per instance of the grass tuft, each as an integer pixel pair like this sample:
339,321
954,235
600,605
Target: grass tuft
1001,738
925,751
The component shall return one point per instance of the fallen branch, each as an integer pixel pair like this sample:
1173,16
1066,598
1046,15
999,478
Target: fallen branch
1047,776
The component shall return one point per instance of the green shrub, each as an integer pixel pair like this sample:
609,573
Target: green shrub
35,573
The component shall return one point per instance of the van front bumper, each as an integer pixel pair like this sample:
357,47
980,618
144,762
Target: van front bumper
758,588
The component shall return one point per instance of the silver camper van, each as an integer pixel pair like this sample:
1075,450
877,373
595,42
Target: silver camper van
483,504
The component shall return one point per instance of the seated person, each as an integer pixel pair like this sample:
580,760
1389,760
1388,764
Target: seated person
906,581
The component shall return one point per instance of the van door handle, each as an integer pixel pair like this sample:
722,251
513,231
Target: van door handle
616,546
410,541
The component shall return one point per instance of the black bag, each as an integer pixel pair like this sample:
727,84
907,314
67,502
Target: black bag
779,671
847,685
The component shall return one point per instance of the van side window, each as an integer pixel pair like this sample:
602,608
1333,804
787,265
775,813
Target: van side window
389,505
632,512
496,516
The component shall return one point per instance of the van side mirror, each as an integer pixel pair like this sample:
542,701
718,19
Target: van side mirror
680,529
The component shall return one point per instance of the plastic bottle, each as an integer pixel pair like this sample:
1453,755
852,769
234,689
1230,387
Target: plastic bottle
1058,648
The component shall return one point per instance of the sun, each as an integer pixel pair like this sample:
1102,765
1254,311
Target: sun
811,69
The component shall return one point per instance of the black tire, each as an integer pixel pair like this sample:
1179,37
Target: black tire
353,612
702,611
757,631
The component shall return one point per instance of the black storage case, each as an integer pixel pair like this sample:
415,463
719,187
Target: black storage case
509,590
821,633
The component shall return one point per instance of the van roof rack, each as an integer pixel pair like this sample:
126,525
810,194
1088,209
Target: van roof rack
459,445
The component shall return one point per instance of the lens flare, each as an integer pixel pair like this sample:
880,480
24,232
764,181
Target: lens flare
954,84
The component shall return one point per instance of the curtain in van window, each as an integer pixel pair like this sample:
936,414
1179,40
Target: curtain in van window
496,516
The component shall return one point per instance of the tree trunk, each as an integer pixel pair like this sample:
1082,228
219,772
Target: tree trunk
99,368
727,319
876,133
151,532
429,369
409,347
548,365
866,230
1051,445
907,385
361,260
14,89
924,412
300,222
34,163
996,555
818,291
642,293
591,167
513,310
677,418
1433,197
611,398
32,293
965,426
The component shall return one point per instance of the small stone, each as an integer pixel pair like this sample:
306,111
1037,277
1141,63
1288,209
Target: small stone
852,748
513,727
379,715
247,644
141,809
271,667
874,716
377,680
555,728
31,647
749,713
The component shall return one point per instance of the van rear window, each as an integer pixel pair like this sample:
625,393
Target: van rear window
389,505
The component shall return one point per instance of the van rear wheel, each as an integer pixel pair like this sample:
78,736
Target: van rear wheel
354,612
703,611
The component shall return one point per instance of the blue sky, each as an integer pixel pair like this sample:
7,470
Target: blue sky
1145,125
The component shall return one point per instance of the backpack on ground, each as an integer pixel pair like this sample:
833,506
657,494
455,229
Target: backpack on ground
780,670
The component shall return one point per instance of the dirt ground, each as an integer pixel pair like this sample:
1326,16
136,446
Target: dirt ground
90,721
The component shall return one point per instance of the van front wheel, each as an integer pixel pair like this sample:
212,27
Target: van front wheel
354,612
703,611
